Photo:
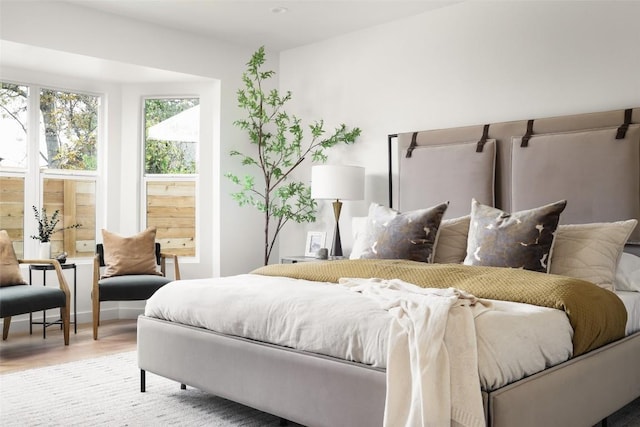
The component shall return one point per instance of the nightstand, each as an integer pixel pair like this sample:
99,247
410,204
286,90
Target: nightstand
296,259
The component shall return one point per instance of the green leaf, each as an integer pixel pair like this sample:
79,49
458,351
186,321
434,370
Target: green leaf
279,147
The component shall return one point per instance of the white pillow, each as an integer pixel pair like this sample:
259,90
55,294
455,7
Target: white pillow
358,232
451,247
590,251
628,273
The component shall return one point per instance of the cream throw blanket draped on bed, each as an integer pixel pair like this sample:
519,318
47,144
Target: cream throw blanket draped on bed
432,362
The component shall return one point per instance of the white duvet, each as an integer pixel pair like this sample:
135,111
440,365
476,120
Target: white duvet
514,340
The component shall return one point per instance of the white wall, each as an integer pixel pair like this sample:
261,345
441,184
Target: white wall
227,231
472,63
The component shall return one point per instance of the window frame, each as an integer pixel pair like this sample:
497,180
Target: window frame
149,177
34,175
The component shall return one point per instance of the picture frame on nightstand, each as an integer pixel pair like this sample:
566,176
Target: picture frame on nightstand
315,241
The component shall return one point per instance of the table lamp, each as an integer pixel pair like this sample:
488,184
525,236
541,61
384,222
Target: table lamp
337,182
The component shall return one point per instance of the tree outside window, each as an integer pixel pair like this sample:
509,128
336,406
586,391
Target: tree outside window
13,125
68,128
13,155
70,124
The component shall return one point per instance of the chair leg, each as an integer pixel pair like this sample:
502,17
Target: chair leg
96,316
65,314
5,327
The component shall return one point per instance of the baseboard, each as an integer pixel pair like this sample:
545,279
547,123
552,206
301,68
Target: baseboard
20,323
130,312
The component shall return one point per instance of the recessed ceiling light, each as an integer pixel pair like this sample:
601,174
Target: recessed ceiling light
279,10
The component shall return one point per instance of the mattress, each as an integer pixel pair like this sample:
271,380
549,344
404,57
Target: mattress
631,301
514,340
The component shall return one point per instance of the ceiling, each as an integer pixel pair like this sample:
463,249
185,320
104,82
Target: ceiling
278,25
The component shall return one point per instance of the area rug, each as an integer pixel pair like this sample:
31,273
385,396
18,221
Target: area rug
105,391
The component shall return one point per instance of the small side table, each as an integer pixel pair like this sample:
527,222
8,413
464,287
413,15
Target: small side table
44,268
297,259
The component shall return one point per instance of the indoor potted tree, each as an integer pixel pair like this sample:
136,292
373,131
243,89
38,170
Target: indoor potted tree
279,149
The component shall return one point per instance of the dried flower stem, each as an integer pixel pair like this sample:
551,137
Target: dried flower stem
46,225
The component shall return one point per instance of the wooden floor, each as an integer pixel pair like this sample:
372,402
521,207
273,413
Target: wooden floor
23,351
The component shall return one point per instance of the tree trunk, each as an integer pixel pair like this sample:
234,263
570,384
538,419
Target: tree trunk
266,237
47,107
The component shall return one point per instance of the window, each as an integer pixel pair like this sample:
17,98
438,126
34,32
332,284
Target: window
75,199
69,127
12,211
172,134
13,161
13,125
52,166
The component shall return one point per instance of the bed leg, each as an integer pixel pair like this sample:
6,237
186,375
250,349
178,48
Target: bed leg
284,422
143,384
183,386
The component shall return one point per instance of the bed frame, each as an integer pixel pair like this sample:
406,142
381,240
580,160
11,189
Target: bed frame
316,390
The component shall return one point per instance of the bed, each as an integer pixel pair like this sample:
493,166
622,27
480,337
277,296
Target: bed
513,167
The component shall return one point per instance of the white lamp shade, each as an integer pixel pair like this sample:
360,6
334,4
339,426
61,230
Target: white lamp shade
337,182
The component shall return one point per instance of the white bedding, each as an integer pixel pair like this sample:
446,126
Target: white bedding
631,301
514,340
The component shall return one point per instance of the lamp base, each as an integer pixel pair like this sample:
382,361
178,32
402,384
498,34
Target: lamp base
336,247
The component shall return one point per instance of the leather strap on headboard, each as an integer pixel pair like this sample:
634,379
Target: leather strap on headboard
413,145
622,130
483,139
527,136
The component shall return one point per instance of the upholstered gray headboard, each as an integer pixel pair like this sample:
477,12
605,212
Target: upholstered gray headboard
591,160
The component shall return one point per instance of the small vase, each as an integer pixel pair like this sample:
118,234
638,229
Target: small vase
45,250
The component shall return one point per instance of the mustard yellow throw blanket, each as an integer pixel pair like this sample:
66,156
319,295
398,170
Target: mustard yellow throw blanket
597,315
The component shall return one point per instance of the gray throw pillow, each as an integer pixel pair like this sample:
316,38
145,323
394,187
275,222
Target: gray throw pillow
410,235
521,239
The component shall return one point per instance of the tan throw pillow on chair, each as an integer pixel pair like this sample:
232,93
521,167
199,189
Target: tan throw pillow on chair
9,268
130,255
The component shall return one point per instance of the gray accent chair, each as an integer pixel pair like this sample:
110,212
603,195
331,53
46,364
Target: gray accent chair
133,287
21,299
